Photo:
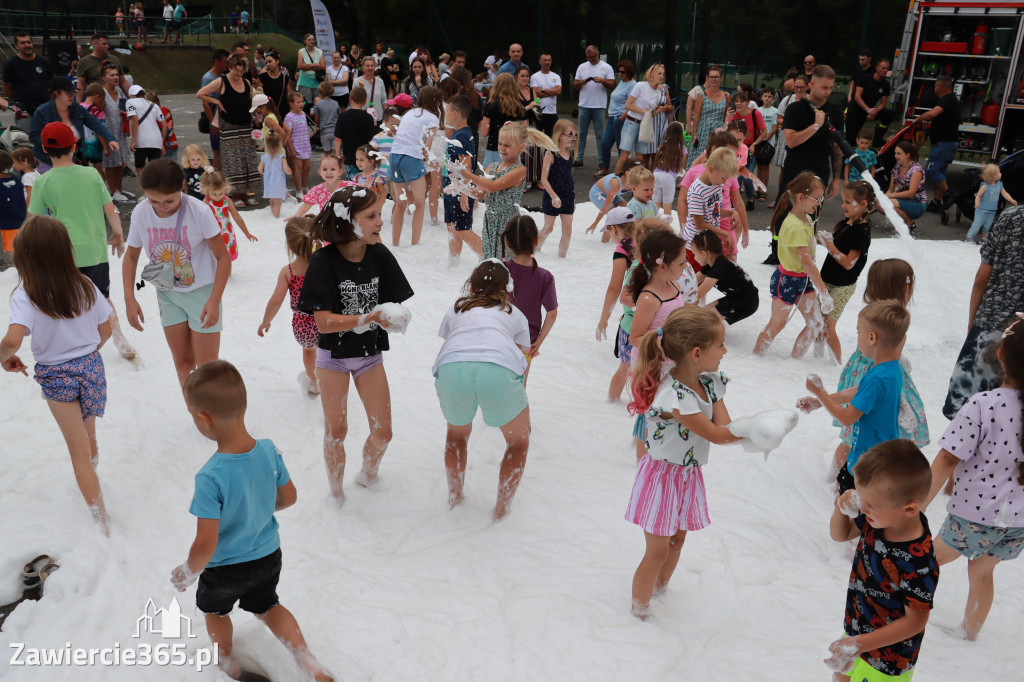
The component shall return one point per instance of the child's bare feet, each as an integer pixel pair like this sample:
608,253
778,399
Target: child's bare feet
368,479
640,610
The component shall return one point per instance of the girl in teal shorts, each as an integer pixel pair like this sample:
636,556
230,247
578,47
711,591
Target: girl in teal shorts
481,365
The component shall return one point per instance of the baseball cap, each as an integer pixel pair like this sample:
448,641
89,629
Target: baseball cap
62,83
258,101
617,216
57,135
401,100
135,90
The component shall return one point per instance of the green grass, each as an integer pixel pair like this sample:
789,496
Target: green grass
170,70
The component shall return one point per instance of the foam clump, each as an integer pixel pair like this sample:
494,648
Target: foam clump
764,431
396,318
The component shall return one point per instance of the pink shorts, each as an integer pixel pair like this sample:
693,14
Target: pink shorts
667,498
354,366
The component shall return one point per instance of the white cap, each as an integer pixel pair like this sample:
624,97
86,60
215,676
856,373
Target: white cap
258,101
135,90
617,216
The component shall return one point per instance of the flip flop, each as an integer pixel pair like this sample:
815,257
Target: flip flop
31,576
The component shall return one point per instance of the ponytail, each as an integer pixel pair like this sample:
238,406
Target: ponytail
646,374
658,248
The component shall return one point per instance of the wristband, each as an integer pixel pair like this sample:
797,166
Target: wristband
536,100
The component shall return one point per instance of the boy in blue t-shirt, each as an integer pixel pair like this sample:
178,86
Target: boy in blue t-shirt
866,154
237,551
894,575
458,210
874,404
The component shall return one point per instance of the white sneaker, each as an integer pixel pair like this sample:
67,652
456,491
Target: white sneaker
119,197
127,194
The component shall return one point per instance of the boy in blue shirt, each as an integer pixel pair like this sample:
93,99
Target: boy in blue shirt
874,404
458,210
866,154
237,551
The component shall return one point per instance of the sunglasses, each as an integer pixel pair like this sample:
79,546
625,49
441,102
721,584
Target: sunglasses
571,136
622,71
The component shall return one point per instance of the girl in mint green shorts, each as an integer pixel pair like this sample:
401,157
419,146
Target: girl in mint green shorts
481,365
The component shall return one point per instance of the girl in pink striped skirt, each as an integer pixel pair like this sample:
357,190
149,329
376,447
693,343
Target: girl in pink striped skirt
685,414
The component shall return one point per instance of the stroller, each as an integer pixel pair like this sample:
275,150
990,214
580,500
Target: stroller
1012,168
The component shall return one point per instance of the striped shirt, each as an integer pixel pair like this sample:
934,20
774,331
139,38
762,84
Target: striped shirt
705,201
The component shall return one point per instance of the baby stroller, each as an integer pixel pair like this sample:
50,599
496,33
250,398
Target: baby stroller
1012,168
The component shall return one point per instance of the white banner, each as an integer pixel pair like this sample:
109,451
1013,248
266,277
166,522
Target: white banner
322,28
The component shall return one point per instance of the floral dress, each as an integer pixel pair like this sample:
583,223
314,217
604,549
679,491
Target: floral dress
902,182
711,116
227,231
501,207
912,420
113,121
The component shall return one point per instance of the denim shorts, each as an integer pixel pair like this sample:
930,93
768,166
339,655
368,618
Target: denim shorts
914,209
497,391
253,584
82,379
455,216
354,366
403,168
187,306
973,539
630,131
788,288
938,160
597,197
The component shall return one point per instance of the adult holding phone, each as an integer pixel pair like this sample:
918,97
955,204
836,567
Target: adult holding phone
594,79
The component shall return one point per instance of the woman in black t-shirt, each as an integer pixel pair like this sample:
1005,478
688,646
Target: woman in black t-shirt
847,254
740,300
275,81
343,287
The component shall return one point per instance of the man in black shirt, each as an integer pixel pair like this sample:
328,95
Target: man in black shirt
869,100
806,128
26,75
864,68
944,133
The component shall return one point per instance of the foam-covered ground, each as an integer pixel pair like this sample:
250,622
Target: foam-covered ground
394,586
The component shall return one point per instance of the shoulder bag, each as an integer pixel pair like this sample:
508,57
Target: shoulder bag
161,274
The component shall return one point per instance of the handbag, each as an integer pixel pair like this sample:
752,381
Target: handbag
204,123
764,152
161,274
646,132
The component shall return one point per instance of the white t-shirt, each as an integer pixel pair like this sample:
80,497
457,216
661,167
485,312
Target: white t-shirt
694,92
593,95
168,12
29,179
149,136
58,340
484,335
644,97
412,56
410,138
194,264
490,60
547,81
333,75
667,439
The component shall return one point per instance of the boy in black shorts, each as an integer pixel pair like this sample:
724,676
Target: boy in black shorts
458,210
237,551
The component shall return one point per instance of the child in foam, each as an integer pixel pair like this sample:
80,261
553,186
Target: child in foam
176,228
236,554
894,575
533,286
289,283
985,515
686,414
68,320
482,364
344,283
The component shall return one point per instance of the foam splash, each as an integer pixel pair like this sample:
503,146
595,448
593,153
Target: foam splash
885,203
849,504
395,317
764,431
509,287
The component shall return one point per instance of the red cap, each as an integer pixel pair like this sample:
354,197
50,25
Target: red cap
58,135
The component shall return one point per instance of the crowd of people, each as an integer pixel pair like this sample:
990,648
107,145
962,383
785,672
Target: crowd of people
417,141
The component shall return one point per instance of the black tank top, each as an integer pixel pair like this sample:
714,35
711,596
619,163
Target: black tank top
235,109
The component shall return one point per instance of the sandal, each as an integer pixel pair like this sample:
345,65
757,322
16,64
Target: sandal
251,202
239,204
32,576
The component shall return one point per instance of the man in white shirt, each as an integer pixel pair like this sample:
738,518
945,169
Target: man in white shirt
547,85
594,78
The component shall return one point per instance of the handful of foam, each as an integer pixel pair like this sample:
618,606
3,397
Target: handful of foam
764,431
395,316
